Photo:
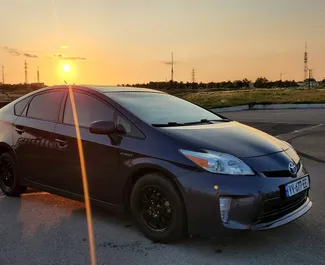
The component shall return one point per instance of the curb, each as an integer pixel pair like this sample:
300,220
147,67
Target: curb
270,107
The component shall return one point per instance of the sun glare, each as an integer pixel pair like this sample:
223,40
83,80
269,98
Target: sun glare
66,68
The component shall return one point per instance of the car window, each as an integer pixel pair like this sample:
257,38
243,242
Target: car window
156,108
130,129
46,106
89,109
20,106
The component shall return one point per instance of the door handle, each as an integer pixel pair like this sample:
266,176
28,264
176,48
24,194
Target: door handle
19,129
62,143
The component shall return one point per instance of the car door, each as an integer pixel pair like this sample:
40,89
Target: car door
101,155
33,135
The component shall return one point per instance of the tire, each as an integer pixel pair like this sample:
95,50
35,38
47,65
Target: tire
9,180
170,208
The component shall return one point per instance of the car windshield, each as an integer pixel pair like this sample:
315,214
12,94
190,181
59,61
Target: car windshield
162,109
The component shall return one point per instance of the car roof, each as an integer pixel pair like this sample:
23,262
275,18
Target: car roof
106,89
100,89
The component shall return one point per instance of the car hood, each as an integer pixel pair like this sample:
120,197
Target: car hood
228,137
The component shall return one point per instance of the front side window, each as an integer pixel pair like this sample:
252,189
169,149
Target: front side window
46,106
88,109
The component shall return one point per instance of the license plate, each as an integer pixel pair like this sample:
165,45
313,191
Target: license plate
297,186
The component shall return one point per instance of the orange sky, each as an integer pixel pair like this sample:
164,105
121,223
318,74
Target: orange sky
114,42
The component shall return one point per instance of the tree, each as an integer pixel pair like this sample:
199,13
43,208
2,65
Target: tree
261,82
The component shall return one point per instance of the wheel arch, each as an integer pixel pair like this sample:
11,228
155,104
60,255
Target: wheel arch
143,170
6,148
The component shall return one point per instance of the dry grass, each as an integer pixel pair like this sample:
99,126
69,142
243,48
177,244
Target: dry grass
258,96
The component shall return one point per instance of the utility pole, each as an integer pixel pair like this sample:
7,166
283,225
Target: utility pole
3,74
37,75
281,74
26,69
172,69
193,75
306,62
310,76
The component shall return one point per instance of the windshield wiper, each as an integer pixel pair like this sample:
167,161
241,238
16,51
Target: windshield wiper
206,121
203,121
169,124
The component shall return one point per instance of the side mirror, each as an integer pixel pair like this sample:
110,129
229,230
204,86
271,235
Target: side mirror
102,127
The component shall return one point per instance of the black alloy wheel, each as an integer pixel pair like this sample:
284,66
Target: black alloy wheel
6,175
158,209
155,209
9,181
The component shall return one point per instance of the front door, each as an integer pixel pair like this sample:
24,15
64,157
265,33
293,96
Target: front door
101,155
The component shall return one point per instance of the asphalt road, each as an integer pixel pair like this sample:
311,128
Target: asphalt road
40,228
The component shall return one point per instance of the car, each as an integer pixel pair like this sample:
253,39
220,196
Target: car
178,168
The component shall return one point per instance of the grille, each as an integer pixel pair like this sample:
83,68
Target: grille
280,173
276,208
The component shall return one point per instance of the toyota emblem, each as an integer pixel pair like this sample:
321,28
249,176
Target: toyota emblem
292,168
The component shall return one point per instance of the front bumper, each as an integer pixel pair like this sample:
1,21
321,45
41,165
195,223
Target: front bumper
303,209
258,202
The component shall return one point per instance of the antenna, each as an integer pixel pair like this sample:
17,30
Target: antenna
306,62
193,75
310,76
281,75
3,74
172,69
26,71
172,63
37,75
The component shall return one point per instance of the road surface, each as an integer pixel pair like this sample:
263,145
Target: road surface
40,228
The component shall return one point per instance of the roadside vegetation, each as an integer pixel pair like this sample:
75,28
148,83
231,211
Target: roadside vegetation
254,96
212,95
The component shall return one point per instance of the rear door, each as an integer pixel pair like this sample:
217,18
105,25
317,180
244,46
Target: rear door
33,135
101,155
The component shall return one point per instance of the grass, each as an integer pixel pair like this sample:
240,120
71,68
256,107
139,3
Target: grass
257,96
217,99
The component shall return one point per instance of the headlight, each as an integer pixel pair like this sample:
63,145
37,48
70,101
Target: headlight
220,163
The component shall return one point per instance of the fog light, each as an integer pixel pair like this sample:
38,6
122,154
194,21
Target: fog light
225,203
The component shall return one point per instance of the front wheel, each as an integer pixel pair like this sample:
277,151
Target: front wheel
158,209
9,181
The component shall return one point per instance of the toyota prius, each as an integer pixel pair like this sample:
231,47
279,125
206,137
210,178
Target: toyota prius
177,168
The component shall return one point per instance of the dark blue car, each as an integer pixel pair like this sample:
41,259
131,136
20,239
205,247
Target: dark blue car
177,167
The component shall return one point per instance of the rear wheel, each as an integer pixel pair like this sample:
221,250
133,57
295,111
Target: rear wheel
158,209
9,181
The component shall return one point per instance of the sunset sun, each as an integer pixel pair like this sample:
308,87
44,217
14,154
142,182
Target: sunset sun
66,68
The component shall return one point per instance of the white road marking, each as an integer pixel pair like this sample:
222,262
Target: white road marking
301,130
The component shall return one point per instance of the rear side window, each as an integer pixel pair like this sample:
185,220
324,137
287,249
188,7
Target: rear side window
20,106
89,109
46,106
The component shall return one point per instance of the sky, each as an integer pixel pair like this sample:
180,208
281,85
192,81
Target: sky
118,42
